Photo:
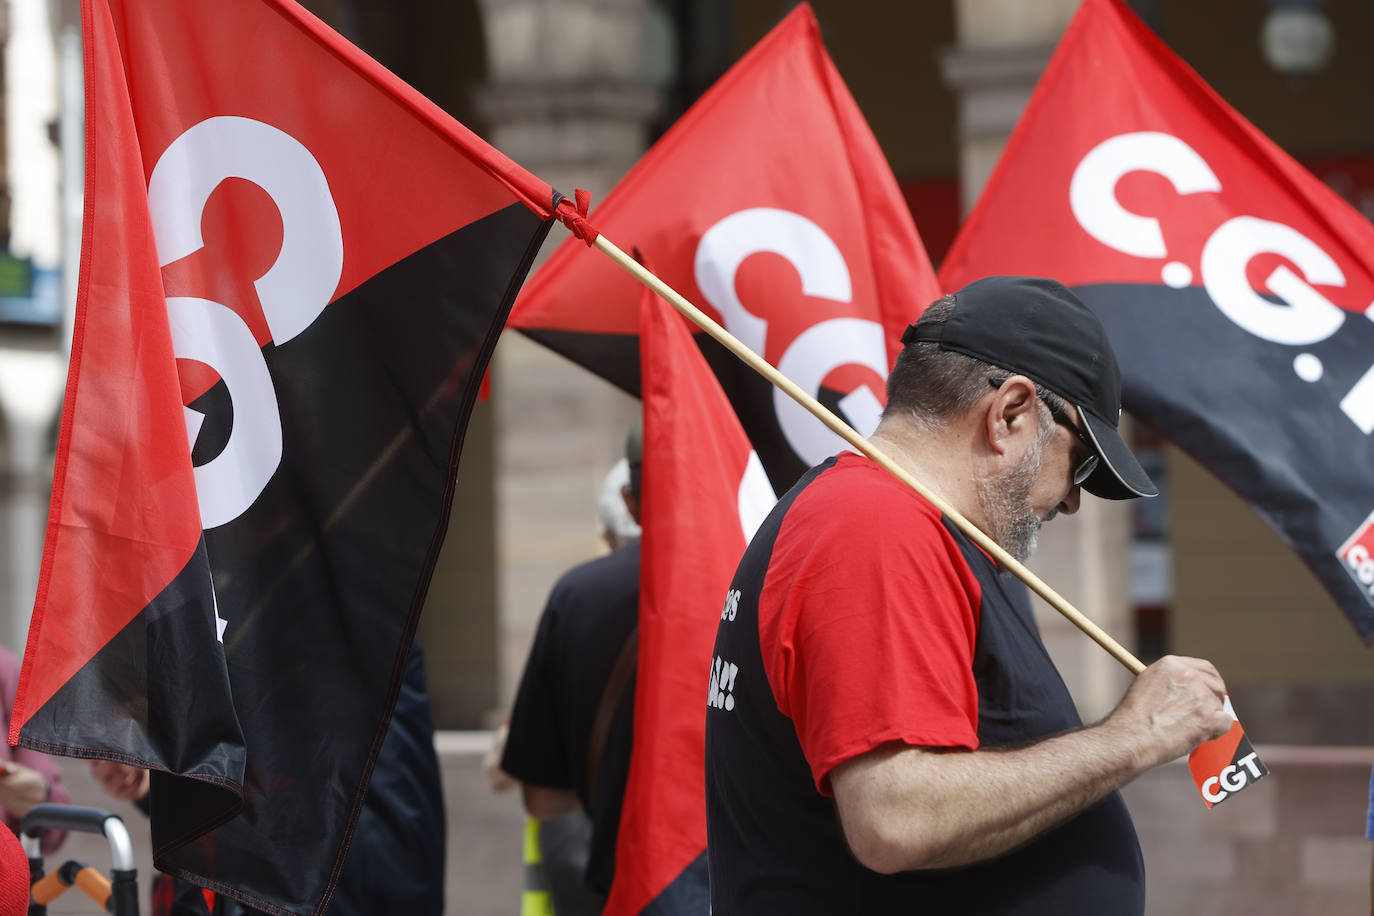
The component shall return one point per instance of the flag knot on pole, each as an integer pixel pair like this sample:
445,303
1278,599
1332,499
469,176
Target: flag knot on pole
576,218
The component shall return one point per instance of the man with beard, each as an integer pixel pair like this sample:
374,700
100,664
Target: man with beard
895,738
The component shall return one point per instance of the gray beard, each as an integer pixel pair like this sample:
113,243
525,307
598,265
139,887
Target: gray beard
1005,502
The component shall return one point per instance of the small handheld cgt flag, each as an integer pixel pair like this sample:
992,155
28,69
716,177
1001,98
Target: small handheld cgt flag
1225,765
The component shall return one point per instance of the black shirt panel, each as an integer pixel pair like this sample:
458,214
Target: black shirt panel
773,843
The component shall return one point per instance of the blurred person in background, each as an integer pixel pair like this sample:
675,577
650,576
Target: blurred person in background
556,849
567,743
27,777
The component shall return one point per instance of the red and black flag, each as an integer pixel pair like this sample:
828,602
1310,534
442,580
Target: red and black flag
1236,288
704,494
294,269
770,206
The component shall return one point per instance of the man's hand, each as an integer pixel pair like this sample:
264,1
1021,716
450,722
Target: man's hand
498,780
1173,706
909,807
124,782
21,788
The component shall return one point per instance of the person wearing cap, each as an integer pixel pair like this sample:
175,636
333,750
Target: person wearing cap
899,739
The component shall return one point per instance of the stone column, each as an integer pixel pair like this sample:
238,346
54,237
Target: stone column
1003,45
570,92
568,95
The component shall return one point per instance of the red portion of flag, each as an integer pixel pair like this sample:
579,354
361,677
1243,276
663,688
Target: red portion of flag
124,520
376,140
704,493
770,206
1210,758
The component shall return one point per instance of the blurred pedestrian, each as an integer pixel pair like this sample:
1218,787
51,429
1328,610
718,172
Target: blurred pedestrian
27,777
570,730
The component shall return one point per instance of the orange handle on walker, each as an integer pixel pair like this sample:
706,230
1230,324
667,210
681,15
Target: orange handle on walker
91,882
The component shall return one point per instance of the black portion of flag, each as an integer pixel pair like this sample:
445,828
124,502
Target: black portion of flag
1246,756
1246,769
1235,402
613,357
689,892
133,701
322,579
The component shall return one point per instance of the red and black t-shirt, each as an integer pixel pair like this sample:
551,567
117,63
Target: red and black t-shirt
861,618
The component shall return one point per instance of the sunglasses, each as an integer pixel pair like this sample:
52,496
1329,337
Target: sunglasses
1084,469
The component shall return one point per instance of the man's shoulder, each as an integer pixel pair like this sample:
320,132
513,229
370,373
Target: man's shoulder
612,574
855,491
618,562
854,516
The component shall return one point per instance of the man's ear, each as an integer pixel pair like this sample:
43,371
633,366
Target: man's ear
1012,412
631,502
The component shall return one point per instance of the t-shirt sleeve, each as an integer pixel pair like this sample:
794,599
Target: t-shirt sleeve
536,746
873,632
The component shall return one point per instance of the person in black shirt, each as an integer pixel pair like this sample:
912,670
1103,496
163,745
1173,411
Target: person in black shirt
570,730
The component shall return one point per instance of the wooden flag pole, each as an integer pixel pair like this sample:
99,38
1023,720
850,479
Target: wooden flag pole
846,432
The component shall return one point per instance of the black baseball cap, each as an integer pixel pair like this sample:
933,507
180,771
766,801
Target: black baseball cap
1036,327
